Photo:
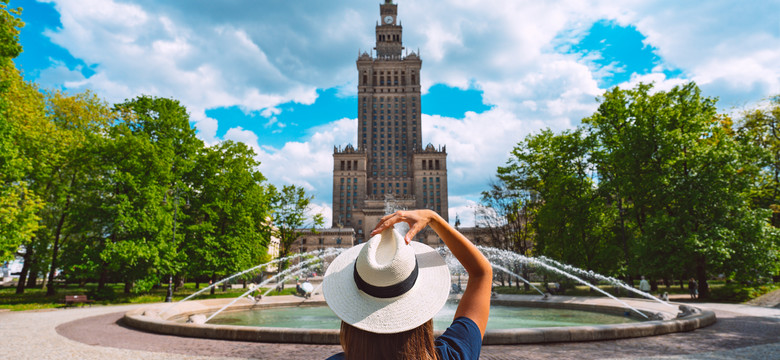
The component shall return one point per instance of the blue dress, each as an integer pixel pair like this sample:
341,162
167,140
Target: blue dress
461,341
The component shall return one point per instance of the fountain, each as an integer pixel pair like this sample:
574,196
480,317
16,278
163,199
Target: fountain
621,318
644,317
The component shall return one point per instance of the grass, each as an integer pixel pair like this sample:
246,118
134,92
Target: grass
719,291
35,298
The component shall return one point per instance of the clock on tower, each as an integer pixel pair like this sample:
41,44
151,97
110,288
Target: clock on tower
388,32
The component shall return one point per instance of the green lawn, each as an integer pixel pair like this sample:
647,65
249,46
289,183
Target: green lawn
720,291
36,298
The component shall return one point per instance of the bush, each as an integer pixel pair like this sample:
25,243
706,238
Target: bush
143,286
106,294
738,293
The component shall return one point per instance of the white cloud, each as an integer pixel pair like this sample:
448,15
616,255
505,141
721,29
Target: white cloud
462,209
324,209
731,49
259,55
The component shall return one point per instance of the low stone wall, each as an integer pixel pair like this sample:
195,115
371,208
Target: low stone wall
171,321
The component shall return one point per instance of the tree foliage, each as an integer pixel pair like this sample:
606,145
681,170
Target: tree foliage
654,183
292,212
229,222
21,122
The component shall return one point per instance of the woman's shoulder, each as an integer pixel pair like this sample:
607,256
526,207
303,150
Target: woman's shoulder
462,340
339,356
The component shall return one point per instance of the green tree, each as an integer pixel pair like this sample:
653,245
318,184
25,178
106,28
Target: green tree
292,212
678,179
508,217
81,121
229,223
761,127
658,181
21,110
142,160
571,222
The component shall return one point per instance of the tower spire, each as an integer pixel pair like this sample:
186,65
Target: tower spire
389,33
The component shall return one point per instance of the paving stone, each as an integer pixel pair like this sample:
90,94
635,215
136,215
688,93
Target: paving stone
742,332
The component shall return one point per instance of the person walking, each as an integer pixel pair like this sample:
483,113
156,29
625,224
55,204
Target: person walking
387,290
693,288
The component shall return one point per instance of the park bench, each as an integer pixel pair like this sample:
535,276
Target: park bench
74,299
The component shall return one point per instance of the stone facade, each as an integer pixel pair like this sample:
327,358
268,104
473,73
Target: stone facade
389,163
323,239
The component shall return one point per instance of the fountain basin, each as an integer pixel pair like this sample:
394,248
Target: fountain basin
171,322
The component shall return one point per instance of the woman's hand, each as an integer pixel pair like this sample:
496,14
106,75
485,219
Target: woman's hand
417,220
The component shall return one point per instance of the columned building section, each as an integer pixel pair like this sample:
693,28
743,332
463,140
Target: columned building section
389,167
349,187
430,179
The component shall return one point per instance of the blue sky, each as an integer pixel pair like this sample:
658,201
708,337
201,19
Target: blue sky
279,75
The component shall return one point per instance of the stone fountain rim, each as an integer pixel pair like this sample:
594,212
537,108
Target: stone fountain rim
147,319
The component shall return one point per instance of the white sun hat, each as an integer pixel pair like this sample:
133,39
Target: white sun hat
386,286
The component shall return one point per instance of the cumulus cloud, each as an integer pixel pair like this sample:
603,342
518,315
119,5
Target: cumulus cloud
732,50
259,55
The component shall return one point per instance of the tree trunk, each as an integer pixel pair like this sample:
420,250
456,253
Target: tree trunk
701,277
623,236
525,275
103,277
243,282
25,270
45,281
55,250
197,283
32,278
128,286
213,280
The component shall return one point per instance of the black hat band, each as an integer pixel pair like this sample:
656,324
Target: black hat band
384,292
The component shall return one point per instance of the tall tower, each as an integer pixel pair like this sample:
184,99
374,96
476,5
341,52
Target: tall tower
389,167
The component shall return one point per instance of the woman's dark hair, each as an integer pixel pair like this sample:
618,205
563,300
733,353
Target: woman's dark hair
414,344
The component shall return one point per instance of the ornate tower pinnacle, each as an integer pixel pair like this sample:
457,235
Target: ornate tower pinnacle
388,32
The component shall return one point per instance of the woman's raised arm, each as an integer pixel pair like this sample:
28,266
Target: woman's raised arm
475,302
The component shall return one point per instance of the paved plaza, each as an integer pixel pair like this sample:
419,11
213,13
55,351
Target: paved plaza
742,332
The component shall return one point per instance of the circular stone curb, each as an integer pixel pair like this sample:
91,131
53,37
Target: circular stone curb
170,323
